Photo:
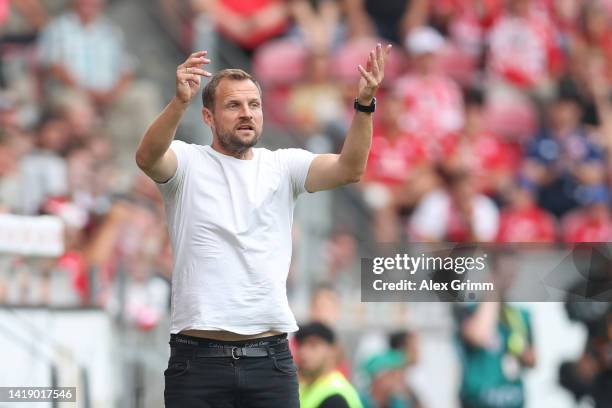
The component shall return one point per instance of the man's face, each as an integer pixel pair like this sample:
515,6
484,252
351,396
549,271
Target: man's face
313,355
237,117
88,10
565,115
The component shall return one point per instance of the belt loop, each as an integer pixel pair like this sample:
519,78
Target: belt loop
270,350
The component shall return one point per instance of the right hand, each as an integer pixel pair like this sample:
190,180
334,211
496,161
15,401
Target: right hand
188,76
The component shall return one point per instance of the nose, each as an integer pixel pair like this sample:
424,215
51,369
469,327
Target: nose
245,112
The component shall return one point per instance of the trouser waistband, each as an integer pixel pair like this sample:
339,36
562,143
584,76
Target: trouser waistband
185,340
201,347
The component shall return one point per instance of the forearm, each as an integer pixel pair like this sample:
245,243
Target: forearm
480,328
60,73
160,134
354,155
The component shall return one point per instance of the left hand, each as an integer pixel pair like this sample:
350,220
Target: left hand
373,74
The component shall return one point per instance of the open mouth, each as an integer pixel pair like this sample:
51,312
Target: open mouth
246,127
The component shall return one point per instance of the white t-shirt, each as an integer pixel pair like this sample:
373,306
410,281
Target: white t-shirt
430,219
230,226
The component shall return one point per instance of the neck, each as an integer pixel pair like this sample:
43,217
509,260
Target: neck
85,21
310,378
242,154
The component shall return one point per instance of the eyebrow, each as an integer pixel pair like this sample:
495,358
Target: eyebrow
258,100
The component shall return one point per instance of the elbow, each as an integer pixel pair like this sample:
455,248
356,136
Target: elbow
353,177
475,337
141,161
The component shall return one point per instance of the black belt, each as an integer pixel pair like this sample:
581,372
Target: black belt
229,350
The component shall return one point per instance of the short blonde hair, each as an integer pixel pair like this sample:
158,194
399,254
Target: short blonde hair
234,74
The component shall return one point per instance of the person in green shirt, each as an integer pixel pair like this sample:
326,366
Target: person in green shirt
321,385
495,342
388,388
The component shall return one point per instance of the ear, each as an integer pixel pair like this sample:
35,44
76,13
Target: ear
207,116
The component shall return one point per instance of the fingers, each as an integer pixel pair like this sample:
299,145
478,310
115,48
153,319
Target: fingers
190,78
381,55
192,71
196,61
373,62
197,71
367,76
198,54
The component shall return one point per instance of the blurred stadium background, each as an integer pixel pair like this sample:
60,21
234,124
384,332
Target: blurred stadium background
499,106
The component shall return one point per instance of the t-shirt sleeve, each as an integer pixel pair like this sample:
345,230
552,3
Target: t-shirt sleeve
48,47
334,401
181,149
297,163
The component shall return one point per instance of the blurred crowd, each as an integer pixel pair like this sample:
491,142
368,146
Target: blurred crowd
72,111
494,125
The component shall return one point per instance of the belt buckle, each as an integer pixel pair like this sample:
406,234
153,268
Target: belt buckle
234,356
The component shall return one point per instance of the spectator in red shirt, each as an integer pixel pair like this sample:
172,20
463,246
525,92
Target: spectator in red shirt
492,160
456,213
398,172
245,25
522,45
596,33
591,223
523,220
433,101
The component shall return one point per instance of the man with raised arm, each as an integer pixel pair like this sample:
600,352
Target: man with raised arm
229,208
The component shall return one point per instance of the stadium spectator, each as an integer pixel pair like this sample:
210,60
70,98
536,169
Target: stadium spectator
455,213
592,222
398,171
316,102
491,159
321,385
522,220
406,342
563,156
523,52
318,23
495,344
589,377
387,388
243,26
389,19
433,101
83,51
44,170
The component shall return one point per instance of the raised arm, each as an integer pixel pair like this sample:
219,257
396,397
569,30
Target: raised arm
154,157
333,170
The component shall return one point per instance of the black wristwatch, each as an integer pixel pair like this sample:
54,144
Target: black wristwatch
365,108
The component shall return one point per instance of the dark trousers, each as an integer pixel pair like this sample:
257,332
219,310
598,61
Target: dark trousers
193,381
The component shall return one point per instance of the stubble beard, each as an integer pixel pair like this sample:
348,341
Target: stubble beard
234,144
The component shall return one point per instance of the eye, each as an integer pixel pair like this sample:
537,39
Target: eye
255,104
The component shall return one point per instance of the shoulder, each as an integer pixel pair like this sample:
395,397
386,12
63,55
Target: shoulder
63,21
107,25
288,156
334,401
